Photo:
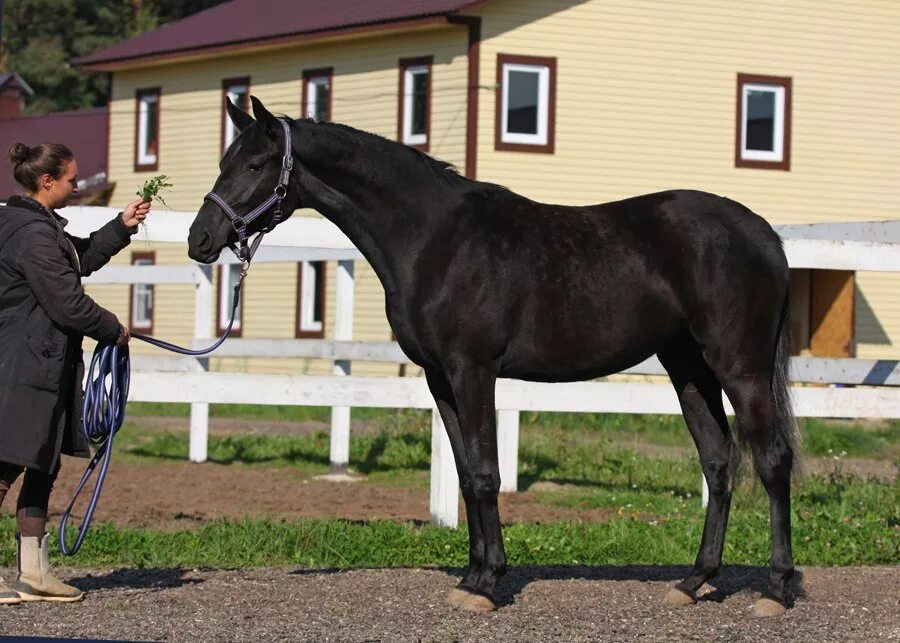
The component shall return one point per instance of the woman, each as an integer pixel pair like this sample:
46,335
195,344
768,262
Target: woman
44,314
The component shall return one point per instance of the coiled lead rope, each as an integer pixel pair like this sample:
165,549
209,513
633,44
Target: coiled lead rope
103,412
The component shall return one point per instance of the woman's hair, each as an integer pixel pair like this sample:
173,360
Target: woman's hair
30,163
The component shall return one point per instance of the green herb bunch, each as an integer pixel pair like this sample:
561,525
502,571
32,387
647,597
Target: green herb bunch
149,191
152,188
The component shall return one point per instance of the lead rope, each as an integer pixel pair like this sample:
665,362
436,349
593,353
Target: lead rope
103,412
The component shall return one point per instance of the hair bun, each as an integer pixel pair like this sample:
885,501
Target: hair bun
18,153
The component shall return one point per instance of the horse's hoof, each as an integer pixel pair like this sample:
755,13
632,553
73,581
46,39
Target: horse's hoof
458,596
766,607
679,598
479,604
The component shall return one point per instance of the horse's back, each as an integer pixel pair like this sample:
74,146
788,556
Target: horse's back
610,284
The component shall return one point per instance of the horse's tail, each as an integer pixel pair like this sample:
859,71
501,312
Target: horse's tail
785,429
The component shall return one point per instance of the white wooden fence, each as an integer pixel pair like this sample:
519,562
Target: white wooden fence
868,246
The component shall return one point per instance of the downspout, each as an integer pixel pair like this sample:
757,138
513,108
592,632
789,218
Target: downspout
474,25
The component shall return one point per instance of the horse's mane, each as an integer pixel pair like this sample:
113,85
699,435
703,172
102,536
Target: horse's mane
441,170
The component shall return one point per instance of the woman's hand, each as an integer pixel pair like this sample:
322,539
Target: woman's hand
135,212
124,336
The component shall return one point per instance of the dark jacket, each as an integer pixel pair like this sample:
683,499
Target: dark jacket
44,315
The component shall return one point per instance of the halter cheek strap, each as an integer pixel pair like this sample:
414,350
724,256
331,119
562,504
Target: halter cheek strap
240,223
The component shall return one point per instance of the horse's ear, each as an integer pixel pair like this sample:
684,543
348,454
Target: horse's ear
264,116
239,117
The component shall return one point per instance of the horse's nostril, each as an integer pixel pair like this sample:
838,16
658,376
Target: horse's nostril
206,241
201,241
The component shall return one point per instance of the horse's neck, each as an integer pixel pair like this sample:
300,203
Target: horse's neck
385,213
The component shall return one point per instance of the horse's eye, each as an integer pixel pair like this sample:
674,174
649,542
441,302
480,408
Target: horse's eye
255,167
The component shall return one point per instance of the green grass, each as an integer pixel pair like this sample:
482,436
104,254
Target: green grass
654,512
838,520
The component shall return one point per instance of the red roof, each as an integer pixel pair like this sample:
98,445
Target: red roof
250,21
84,131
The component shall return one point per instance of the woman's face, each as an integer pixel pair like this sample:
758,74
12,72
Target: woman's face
56,192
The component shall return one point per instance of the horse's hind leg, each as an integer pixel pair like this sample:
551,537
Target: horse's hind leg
700,395
768,435
465,400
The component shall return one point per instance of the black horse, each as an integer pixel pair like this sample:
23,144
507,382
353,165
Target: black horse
482,283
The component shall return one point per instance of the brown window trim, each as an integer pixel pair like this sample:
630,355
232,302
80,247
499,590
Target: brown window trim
783,81
404,64
309,334
145,330
316,73
139,94
499,144
226,84
220,327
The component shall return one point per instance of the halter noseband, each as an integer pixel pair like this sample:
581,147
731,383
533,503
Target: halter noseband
241,250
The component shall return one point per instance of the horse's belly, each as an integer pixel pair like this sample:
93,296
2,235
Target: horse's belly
575,362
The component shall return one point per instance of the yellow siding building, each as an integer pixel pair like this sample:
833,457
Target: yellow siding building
642,96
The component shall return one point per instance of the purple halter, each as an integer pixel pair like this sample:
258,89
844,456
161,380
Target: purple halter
240,224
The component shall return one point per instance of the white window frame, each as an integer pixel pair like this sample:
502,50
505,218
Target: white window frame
312,94
777,154
408,98
226,293
144,155
308,298
540,138
139,290
231,132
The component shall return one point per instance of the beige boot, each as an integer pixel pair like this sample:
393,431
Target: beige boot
35,581
7,595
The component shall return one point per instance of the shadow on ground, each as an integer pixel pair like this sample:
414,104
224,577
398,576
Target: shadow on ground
156,579
732,580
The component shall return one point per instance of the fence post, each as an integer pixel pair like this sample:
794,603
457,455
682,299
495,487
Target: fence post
508,449
203,311
444,479
343,330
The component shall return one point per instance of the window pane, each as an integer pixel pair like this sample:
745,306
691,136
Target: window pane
150,140
230,276
761,120
522,105
310,312
238,96
322,91
420,98
317,293
142,305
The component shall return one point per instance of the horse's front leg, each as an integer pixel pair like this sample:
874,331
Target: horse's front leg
473,436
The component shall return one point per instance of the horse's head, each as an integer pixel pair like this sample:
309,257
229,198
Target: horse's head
248,174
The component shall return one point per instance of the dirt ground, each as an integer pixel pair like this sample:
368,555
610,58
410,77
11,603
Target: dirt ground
537,604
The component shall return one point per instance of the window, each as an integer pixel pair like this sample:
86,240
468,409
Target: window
763,122
141,304
311,299
147,134
415,102
238,91
317,94
228,278
526,104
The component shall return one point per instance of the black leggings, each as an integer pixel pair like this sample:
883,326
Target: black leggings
31,509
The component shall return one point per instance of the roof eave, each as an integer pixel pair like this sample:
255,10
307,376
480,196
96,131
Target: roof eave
368,30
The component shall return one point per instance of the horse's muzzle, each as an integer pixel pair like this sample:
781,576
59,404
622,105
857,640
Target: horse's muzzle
201,247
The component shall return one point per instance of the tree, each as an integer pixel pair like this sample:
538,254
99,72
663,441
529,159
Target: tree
40,37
